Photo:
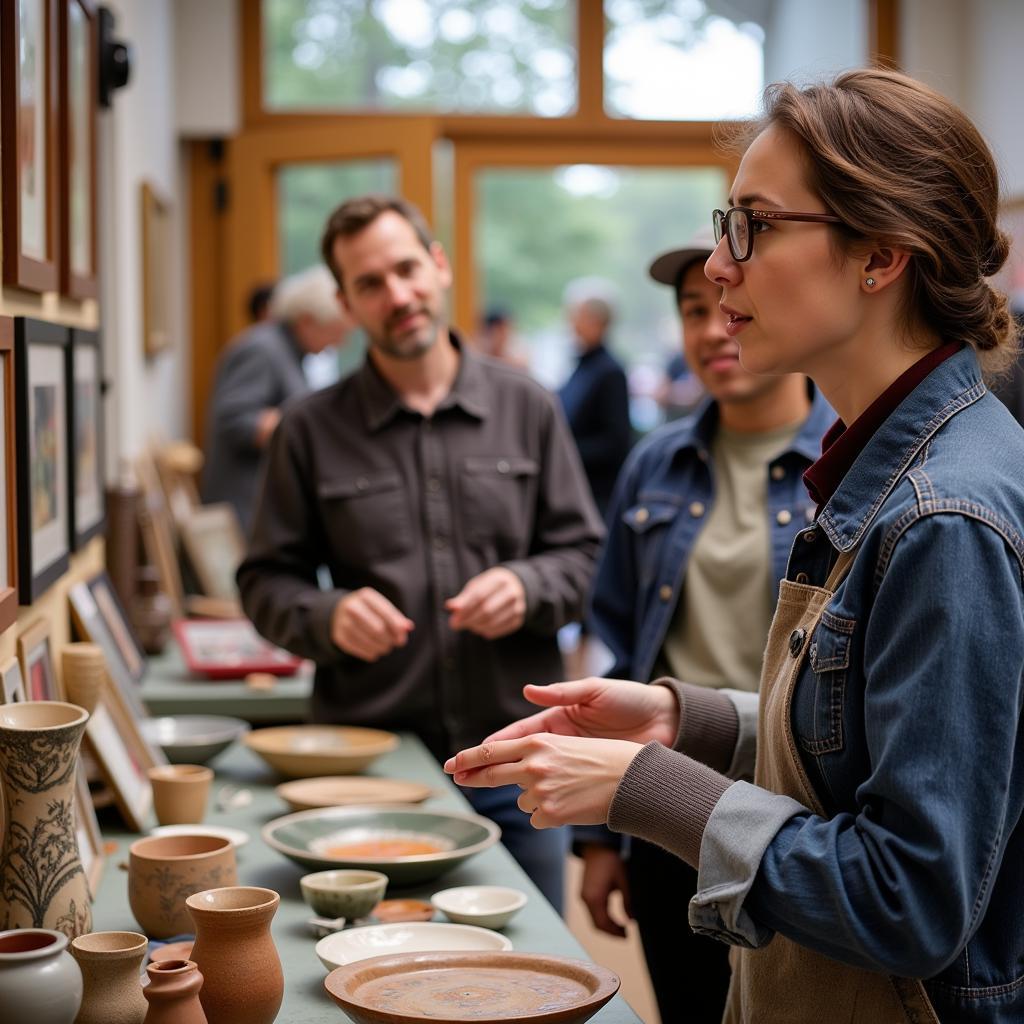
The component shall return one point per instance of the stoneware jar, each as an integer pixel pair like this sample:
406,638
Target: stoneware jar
110,963
42,884
164,870
173,993
85,668
39,982
242,979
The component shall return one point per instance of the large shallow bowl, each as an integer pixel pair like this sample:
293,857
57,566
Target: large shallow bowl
505,987
356,944
300,751
193,739
332,791
306,837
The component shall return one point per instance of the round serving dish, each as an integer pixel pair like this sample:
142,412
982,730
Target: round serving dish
193,739
374,940
302,751
345,791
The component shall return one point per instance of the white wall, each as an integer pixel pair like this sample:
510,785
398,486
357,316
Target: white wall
206,47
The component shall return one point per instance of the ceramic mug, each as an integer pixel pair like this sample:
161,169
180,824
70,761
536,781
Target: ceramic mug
180,792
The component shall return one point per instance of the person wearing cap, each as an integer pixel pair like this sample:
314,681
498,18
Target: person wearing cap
700,526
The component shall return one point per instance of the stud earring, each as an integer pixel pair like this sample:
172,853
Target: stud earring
870,282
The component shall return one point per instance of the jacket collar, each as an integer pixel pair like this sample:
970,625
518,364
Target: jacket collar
949,388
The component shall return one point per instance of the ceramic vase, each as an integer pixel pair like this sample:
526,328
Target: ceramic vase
42,884
173,993
110,964
39,981
242,978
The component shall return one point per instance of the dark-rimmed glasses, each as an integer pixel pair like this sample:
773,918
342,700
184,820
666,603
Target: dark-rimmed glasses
737,224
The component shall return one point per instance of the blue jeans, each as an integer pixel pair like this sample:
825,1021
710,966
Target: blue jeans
541,853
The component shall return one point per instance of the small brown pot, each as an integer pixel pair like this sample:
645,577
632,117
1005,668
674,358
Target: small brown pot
173,993
110,963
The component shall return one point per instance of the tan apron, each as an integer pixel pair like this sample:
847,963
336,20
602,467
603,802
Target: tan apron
783,982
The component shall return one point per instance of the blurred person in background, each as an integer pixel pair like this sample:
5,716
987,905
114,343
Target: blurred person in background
497,338
258,303
259,371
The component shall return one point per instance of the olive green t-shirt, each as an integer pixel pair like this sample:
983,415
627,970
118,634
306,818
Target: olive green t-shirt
727,599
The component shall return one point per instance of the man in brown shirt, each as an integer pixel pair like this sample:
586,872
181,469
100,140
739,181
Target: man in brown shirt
444,495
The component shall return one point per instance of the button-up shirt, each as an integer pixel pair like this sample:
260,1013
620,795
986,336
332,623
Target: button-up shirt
414,507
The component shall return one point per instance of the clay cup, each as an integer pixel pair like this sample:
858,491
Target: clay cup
180,792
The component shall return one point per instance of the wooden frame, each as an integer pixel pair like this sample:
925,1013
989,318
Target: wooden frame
215,545
156,270
158,539
79,88
8,480
41,403
85,437
12,683
30,206
37,666
87,832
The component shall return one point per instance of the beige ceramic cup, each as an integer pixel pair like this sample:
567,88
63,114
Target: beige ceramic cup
180,792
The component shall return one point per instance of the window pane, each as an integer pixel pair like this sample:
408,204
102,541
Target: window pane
693,60
493,56
538,230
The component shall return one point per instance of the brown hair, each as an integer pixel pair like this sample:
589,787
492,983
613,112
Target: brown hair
904,167
356,214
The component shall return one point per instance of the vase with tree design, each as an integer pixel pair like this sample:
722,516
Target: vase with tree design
42,883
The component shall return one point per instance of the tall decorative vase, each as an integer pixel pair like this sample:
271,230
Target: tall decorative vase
110,963
242,978
42,884
39,982
173,993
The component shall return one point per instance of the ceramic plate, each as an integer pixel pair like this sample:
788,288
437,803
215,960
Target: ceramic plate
512,988
301,751
331,791
408,937
236,835
311,838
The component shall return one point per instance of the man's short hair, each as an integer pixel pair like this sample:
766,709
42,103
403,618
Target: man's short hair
311,292
354,215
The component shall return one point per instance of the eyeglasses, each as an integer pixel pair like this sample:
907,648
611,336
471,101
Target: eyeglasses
737,224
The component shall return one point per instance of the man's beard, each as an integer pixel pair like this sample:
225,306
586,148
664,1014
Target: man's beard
409,346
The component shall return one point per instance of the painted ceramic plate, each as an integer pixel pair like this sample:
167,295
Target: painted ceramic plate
332,791
301,751
407,844
372,940
445,988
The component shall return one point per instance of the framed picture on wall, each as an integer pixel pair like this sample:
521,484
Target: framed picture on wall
28,138
41,433
8,481
12,686
36,658
156,270
85,436
78,84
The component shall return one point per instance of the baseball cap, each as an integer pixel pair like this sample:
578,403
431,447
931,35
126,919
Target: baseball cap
667,267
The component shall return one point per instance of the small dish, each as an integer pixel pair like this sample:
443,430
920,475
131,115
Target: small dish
349,894
193,739
403,910
301,751
419,937
334,791
236,835
489,906
172,951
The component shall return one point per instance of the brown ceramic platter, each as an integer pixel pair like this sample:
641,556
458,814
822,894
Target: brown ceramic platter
403,910
342,791
451,988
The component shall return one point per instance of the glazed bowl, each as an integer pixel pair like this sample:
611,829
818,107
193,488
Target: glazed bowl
488,906
411,937
301,751
368,837
193,739
346,893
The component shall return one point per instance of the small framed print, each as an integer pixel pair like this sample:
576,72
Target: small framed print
36,658
87,832
12,687
41,405
156,271
28,138
85,437
215,545
8,481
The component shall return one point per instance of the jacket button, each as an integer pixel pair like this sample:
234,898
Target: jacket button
665,592
784,517
362,483
778,473
503,466
810,536
796,641
696,509
642,515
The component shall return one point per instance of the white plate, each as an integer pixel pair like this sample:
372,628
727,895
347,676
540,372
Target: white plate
414,937
236,835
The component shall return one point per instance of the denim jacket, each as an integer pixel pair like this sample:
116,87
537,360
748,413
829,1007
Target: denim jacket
908,717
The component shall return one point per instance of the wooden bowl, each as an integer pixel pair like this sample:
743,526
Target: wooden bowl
301,751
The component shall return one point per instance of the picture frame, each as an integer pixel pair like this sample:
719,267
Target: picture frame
28,139
215,545
37,666
41,435
78,88
12,684
156,270
230,649
112,737
87,833
87,515
8,481
157,528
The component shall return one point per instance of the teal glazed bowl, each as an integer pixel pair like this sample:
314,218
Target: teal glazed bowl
375,838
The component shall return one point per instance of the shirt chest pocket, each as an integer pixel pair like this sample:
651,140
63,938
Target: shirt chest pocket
649,523
366,517
499,494
818,718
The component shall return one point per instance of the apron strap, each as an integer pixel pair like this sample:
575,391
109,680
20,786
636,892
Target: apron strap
840,569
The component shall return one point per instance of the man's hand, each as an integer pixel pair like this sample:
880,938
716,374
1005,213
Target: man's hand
491,605
266,424
367,625
604,873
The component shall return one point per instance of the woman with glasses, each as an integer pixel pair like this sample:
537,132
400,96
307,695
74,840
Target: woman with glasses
874,870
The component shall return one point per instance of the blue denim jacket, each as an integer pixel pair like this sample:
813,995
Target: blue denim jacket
908,717
661,502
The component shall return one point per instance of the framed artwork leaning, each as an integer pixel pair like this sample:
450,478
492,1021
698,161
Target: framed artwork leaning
12,686
87,832
8,481
85,436
41,436
215,545
37,668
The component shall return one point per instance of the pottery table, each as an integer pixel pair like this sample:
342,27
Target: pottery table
537,928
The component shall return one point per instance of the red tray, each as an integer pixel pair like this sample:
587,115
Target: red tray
230,649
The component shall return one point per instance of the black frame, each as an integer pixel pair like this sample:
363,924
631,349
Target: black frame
78,533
